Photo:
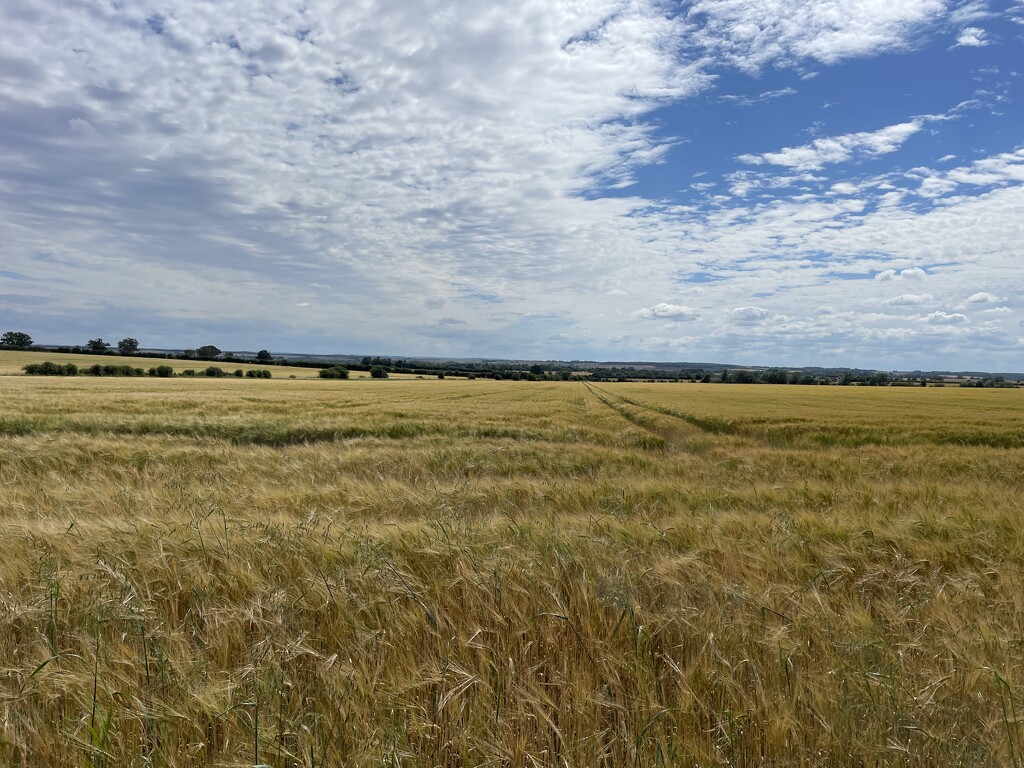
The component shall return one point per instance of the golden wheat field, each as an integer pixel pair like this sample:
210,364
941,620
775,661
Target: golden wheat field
478,573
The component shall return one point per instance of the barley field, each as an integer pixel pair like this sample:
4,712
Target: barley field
477,573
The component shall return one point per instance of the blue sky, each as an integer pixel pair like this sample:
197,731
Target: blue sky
762,182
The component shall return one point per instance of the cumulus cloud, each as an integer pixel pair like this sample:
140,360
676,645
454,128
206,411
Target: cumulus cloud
664,311
972,37
747,314
911,273
983,297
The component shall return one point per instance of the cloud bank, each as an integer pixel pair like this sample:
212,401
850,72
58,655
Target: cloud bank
462,178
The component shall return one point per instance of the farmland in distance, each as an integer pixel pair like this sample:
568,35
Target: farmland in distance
468,573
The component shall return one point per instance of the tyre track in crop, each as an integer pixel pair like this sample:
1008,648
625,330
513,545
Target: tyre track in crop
705,424
656,435
642,412
822,437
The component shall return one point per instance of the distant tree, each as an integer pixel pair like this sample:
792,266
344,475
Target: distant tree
239,373
776,376
128,346
725,375
162,371
97,345
440,374
214,372
378,372
537,369
744,376
16,339
880,379
207,350
264,356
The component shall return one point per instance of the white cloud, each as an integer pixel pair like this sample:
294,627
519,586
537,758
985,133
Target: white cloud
749,101
751,33
747,314
670,344
983,297
972,37
423,155
78,125
838,149
969,11
944,317
910,299
667,311
911,273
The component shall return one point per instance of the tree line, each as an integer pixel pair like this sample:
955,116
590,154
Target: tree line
382,367
160,371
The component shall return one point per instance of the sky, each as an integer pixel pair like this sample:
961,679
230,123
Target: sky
763,182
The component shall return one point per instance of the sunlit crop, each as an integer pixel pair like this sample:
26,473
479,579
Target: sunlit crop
469,573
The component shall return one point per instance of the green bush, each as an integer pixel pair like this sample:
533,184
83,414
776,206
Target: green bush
214,372
113,370
163,371
337,372
50,369
239,373
378,372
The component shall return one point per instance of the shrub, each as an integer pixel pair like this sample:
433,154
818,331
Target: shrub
113,370
336,372
50,369
214,372
189,372
239,373
378,372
